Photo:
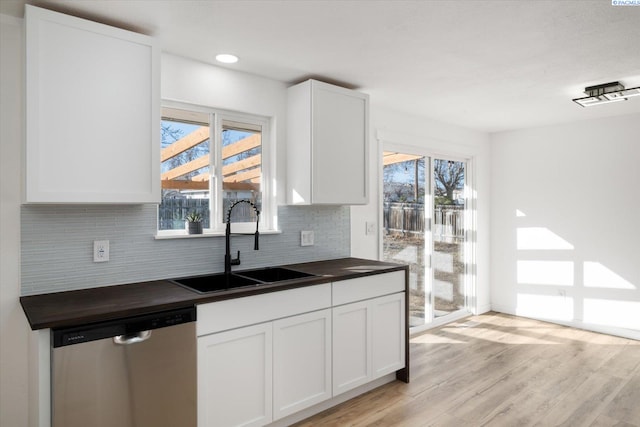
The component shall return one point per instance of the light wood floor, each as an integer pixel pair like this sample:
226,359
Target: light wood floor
500,370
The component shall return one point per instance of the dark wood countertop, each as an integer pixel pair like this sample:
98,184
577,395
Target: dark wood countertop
62,309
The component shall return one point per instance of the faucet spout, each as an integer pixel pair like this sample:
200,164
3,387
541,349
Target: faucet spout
228,261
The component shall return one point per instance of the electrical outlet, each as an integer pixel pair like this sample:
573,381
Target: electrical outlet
370,228
306,238
100,250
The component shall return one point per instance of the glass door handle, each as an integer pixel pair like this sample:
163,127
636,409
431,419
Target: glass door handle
129,339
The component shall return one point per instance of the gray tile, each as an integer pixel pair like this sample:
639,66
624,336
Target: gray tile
57,245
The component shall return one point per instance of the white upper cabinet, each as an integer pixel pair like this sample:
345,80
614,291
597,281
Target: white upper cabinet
327,145
92,112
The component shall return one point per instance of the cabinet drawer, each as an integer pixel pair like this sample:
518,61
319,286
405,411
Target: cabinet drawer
235,313
362,288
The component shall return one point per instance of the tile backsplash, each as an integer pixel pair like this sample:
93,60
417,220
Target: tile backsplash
57,245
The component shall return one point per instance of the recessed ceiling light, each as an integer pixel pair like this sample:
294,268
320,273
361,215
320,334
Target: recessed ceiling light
226,58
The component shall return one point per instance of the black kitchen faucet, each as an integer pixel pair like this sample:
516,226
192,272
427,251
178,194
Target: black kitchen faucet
228,261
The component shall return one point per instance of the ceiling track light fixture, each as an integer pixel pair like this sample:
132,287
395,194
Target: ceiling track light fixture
606,93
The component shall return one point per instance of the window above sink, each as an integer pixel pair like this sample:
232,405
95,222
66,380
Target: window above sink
211,158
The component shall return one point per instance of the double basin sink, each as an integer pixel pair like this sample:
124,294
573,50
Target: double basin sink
241,279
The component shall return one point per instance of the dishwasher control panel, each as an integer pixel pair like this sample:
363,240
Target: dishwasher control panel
129,325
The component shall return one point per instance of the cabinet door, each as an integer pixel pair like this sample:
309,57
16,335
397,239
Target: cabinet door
351,346
388,327
302,362
235,377
92,112
339,129
327,145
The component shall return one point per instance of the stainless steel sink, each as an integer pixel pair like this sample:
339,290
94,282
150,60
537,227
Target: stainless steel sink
241,279
273,274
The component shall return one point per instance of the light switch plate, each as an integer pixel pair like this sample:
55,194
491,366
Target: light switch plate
100,250
306,238
370,228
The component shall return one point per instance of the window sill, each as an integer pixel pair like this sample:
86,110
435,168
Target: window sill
182,234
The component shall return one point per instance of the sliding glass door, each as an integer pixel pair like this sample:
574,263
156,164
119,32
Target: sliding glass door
448,236
406,187
424,209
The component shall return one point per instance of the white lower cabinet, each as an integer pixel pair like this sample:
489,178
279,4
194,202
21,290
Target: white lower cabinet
254,375
235,377
388,331
301,362
368,341
264,358
351,346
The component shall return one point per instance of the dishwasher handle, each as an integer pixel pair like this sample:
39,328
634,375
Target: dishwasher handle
129,339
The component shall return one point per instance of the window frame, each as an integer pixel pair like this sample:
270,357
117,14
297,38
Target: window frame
268,214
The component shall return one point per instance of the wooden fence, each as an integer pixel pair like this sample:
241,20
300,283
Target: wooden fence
172,212
448,220
448,223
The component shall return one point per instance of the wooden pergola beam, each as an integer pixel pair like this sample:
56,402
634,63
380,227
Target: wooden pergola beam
241,146
178,184
183,144
248,163
240,186
244,176
203,177
389,158
188,167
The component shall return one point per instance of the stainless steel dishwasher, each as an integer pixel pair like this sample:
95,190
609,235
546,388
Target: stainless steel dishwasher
135,372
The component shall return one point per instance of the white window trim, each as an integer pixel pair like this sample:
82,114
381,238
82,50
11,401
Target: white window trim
268,215
181,234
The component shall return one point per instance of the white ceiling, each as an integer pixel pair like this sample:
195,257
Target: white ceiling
489,65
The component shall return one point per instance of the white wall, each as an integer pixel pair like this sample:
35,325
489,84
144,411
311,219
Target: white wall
565,224
438,138
595,214
198,83
135,254
14,331
182,80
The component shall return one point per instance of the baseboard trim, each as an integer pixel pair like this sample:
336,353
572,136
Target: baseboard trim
483,309
578,324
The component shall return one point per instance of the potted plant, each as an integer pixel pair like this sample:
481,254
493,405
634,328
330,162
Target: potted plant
194,222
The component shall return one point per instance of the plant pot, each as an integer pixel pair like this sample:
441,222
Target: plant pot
194,227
